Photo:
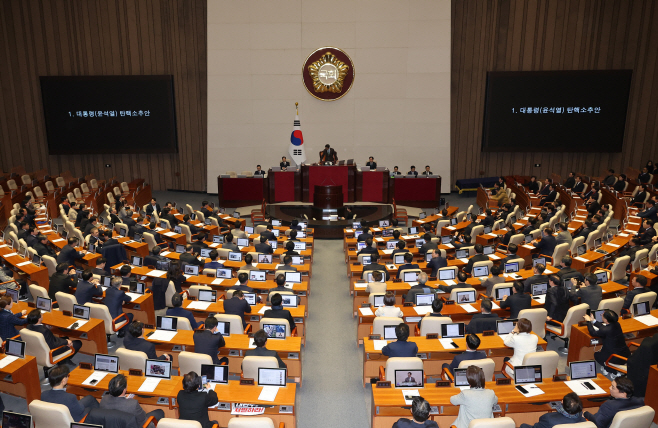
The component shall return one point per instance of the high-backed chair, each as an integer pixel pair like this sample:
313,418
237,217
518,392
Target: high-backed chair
560,251
184,324
614,304
372,295
563,331
38,291
379,322
65,301
547,359
487,263
171,290
251,422
193,291
504,422
131,359
618,269
51,264
636,418
649,296
431,325
487,365
398,363
112,326
476,231
251,364
36,345
48,415
191,362
279,321
186,231
150,241
180,423
538,319
235,323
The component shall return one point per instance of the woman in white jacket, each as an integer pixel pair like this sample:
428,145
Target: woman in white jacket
476,402
523,342
389,309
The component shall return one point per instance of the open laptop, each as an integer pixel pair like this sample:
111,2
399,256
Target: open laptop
205,252
166,323
214,373
224,328
387,233
250,298
81,311
272,377
289,300
158,369
294,277
16,420
420,242
641,308
224,273
265,258
384,223
207,296
378,301
389,332
235,256
410,277
36,260
422,215
524,375
583,371
528,239
15,348
424,299
13,293
502,292
249,230
512,267
44,304
136,261
488,249
398,259
137,237
461,254
275,331
465,296
162,265
601,277
481,272
505,326
644,263
276,222
453,330
242,242
106,363
539,291
487,229
460,377
178,229
180,249
581,249
218,239
428,257
191,270
300,246
83,425
412,230
539,260
365,260
257,275
409,378
297,260
446,239
392,244
446,275
453,221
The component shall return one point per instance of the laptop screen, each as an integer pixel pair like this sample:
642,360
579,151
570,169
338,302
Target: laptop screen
272,377
205,252
428,257
224,328
505,326
365,260
81,311
180,248
215,373
289,300
597,242
273,244
502,292
644,262
410,276
207,296
235,256
487,229
136,261
301,234
528,239
218,239
356,225
480,271
298,260
446,239
424,299
527,374
461,254
15,348
369,277
466,296
582,249
413,230
162,265
16,420
166,323
538,260
36,260
446,275
378,301
452,330
641,308
398,259
44,304
276,222
422,215
384,223
178,229
601,277
460,377
583,370
257,275
300,246
453,221
294,277
392,244
389,332
489,249
249,230
223,273
158,368
106,363
275,331
137,237
598,315
123,232
265,258
13,293
191,270
406,378
250,298
420,242
387,232
539,288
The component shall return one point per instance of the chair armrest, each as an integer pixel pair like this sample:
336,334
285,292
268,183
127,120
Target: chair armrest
59,347
562,327
114,321
371,329
616,356
149,420
484,296
416,330
248,329
382,373
293,333
222,297
281,425
83,419
637,345
447,373
507,364
17,337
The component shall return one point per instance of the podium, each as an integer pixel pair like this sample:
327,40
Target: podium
338,175
328,197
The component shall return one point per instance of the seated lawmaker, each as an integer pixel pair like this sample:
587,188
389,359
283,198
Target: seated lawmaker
400,247
638,286
58,377
9,320
408,259
517,301
567,412
437,262
428,245
284,163
259,171
237,305
374,265
612,336
35,323
117,398
260,339
178,311
461,283
69,254
195,399
228,243
471,353
437,306
478,257
371,163
134,341
278,311
287,264
396,171
368,249
420,411
401,348
621,391
420,288
484,320
262,246
489,283
413,171
88,288
546,245
209,340
476,402
363,236
389,309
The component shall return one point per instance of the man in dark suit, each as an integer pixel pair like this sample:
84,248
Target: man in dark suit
427,171
547,243
647,233
328,155
290,249
260,339
478,257
31,238
566,271
34,323
471,353
42,247
62,280
640,362
186,221
579,186
587,229
153,206
69,254
639,283
268,234
644,176
88,288
589,291
461,278
483,321
550,195
413,171
23,230
179,311
93,222
166,215
622,392
546,189
570,181
284,164
640,196
118,399
634,246
8,320
228,243
399,248
189,258
277,311
437,262
209,340
237,305
371,163
592,205
517,301
263,247
428,245
100,267
650,212
259,171
58,378
363,236
533,185
374,265
408,259
135,341
401,348
420,288
368,249
243,280
568,412
396,171
206,210
114,300
511,254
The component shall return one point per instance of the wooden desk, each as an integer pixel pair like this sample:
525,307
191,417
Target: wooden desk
24,381
434,355
418,192
302,289
388,403
36,274
596,259
651,398
92,334
241,191
434,218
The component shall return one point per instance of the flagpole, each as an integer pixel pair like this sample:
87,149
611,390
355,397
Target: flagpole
297,108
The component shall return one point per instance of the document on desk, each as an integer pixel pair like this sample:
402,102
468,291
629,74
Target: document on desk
134,296
468,308
494,257
58,240
156,273
447,343
23,263
648,320
387,251
9,255
450,228
578,386
449,245
163,335
409,395
149,384
201,306
170,234
412,284
533,390
463,260
613,245
379,344
263,309
494,305
449,282
390,266
581,259
95,377
80,323
529,247
360,284
366,312
165,253
379,239
214,245
7,360
423,310
268,393
541,299
349,230
217,281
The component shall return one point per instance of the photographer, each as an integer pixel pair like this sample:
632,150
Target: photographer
589,291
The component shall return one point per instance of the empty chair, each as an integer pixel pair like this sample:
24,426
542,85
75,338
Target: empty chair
614,304
563,330
618,269
250,422
191,362
131,359
547,359
251,364
487,365
65,301
48,415
51,264
641,255
235,323
649,296
505,422
560,251
38,291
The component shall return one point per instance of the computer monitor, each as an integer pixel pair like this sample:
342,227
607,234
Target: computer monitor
106,280
218,239
224,328
527,374
301,234
250,298
422,215
502,292
460,377
242,242
274,244
276,233
162,265
387,233
193,216
412,230
601,277
13,293
453,221
257,275
180,249
166,323
455,329
191,270
487,229
36,260
249,230
288,300
398,259
384,223
81,311
15,348
428,257
581,249
447,274
136,261
276,222
265,258
392,244
410,276
223,273
303,224
539,288
644,262
235,256
598,315
583,370
512,219
369,277
205,252
511,267
275,331
378,301
409,378
389,332
294,277
424,299
300,246
160,369
44,304
106,363
215,373
641,308
446,239
272,377
461,254
357,233
297,260
207,296
480,271
528,239
420,242
466,296
365,260
597,242
178,229
137,237
16,420
539,260
505,326
488,249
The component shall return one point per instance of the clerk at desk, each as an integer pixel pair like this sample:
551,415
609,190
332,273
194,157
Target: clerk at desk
371,163
328,155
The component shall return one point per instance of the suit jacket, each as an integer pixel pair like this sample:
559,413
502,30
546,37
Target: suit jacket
86,291
516,302
60,396
51,340
569,272
236,306
630,295
363,237
481,322
405,266
231,246
592,295
428,246
264,352
173,221
570,182
7,322
593,208
527,284
205,342
603,418
619,185
183,313
546,245
263,248
578,187
646,235
114,299
377,266
408,423
476,258
437,263
545,190
563,237
123,404
269,235
368,250
643,178
158,290
412,173
138,344
613,339
585,233
61,282
549,420
189,259
533,187
149,209
87,229
193,406
31,240
279,312
332,156
22,234
43,250
557,302
651,213
69,255
630,251
640,362
400,348
466,356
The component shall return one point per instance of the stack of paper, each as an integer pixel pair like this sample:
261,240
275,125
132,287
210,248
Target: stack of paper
468,308
268,393
10,255
541,299
579,387
581,259
423,310
449,245
447,343
155,272
263,309
494,305
412,284
213,245
493,256
649,320
252,344
7,360
134,296
165,253
366,312
23,263
360,285
163,335
202,306
58,240
149,384
379,344
409,395
463,260
217,281
387,251
170,234
379,239
449,282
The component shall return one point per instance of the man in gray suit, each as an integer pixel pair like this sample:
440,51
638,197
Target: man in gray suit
589,291
421,288
117,399
228,243
248,259
564,235
287,264
260,338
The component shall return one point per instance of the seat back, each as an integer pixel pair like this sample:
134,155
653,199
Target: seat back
65,301
251,364
189,209
641,254
517,239
548,360
431,325
51,264
619,268
184,324
101,312
476,231
166,222
505,422
47,415
453,293
574,315
560,251
614,304
124,187
131,359
193,291
84,187
234,321
60,181
186,231
371,296
538,319
180,423
649,296
36,345
223,253
191,362
401,363
171,290
487,263
150,240
278,321
379,322
49,186
250,422
637,418
37,290
441,224
487,365
11,185
409,270
200,216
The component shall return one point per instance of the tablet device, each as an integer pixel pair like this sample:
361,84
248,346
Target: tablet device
502,292
641,308
601,277
539,288
178,229
215,373
44,304
250,298
160,265
272,377
300,246
218,239
235,256
505,326
398,259
224,328
275,331
392,244
410,277
166,323
480,271
447,274
207,296
460,377
378,301
257,275
191,270
106,363
289,300
249,230
205,252
389,332
461,254
527,374
424,299
81,311
512,267
136,261
488,249
180,249
365,260
223,273
158,368
598,315
297,260
582,370
409,378
465,296
412,230
15,348
452,330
